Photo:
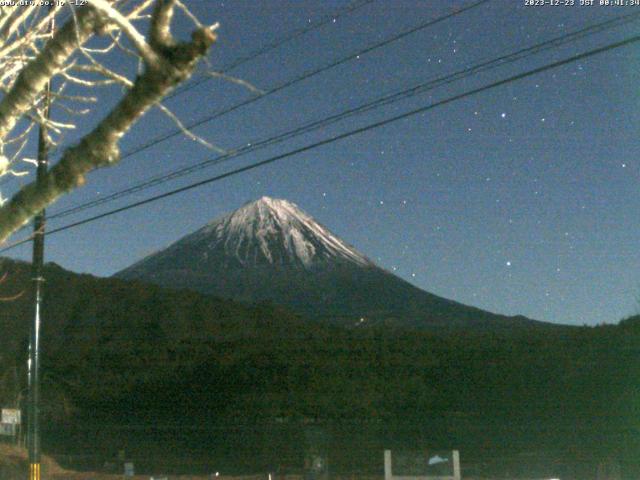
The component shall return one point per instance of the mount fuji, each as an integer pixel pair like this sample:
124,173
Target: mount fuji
271,251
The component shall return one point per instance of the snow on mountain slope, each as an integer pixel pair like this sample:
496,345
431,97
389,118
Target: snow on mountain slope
265,232
271,251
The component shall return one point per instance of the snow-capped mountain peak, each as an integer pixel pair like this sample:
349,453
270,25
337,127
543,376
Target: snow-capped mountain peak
269,231
276,231
271,251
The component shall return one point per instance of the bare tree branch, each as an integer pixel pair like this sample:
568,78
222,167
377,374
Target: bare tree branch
34,77
171,64
148,54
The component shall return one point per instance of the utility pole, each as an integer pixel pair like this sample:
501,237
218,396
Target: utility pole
33,433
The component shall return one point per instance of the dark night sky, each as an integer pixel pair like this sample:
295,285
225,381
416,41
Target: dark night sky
520,200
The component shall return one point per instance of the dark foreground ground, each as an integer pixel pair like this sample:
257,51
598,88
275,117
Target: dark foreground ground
14,466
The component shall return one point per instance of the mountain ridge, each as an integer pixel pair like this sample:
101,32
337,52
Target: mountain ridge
270,250
282,234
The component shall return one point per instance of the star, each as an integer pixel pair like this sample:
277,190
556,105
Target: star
508,263
503,115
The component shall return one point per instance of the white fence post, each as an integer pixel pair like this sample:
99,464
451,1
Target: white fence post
456,465
387,465
455,475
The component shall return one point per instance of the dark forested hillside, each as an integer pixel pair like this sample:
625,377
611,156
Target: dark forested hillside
125,352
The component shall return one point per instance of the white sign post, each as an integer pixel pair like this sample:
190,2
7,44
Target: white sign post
9,422
11,416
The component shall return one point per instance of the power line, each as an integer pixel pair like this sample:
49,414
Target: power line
275,44
304,76
382,101
348,134
260,51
